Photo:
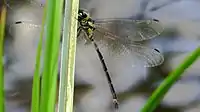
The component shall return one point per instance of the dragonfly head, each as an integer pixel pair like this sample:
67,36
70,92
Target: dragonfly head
83,15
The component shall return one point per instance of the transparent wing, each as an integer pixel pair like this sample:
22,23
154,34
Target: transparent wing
141,55
120,47
129,30
11,4
23,28
145,56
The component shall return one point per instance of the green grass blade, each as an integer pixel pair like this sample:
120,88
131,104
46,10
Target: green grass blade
66,90
56,43
47,57
36,77
159,93
49,77
64,54
2,31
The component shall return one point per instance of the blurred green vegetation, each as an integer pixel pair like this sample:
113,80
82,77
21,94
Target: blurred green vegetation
2,31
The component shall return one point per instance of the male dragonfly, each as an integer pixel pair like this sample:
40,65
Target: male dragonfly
121,35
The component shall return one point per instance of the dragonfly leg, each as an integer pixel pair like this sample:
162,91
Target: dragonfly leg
79,31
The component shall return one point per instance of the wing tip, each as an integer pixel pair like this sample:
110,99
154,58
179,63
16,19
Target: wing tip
158,63
156,20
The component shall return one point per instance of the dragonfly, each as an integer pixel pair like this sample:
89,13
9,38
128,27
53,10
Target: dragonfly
122,36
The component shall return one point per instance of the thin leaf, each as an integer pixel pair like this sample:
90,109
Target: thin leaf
2,31
159,93
49,77
66,89
36,79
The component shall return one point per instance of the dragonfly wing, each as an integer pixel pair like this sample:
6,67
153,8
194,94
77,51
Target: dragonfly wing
19,26
146,56
120,37
141,55
129,30
12,4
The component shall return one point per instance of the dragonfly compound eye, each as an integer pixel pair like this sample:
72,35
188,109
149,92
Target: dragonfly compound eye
84,15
